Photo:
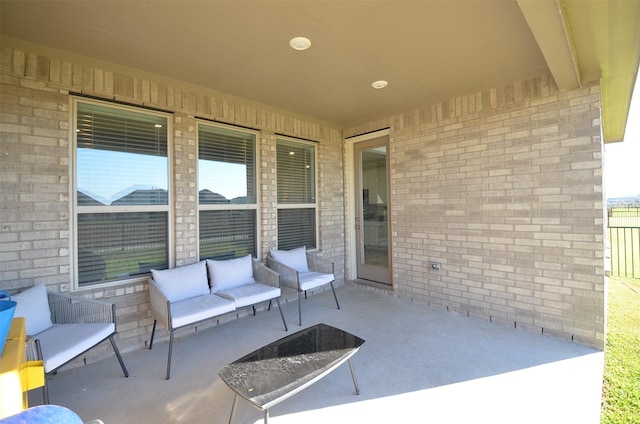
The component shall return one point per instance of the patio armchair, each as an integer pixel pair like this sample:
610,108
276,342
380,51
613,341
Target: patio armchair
60,327
302,271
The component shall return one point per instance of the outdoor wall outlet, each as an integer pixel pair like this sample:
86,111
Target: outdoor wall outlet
435,266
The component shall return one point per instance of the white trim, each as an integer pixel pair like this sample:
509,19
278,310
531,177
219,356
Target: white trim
368,136
73,193
351,193
316,202
297,206
75,209
225,207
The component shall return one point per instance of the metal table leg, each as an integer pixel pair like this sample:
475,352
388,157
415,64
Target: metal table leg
353,375
233,408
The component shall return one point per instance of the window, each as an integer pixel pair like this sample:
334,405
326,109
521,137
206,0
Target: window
296,194
121,171
227,205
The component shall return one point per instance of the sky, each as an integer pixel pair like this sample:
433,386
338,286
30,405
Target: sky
622,160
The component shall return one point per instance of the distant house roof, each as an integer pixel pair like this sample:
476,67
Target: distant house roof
144,197
208,197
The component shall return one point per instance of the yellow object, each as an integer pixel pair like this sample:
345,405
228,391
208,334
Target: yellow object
17,375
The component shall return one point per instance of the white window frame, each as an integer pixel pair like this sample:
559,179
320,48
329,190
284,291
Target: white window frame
230,206
78,210
314,205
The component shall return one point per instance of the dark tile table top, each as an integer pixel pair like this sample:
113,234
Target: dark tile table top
279,369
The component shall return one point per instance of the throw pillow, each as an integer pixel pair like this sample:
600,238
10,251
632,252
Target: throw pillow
230,273
295,258
182,282
33,306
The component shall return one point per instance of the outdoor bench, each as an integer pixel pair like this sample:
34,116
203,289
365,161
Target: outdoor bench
208,289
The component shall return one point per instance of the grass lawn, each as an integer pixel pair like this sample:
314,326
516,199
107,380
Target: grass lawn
621,389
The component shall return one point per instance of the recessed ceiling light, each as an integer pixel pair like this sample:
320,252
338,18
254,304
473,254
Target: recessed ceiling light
379,84
300,43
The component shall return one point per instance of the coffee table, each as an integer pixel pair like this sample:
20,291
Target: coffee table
281,369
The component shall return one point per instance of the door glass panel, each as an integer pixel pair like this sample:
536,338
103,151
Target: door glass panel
374,207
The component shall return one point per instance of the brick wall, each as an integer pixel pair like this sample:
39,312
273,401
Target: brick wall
504,188
35,222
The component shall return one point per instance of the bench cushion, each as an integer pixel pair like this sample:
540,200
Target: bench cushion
230,273
182,282
199,308
250,294
311,280
63,341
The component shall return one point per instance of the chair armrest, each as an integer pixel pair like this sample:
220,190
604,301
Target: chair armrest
288,275
68,309
32,350
265,275
317,264
160,305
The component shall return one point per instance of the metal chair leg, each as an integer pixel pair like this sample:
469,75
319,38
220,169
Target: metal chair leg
299,310
281,314
334,295
115,349
169,357
153,333
45,390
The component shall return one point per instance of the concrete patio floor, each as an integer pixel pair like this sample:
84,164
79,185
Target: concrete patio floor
418,365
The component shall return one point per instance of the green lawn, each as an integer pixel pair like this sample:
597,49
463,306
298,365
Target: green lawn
621,390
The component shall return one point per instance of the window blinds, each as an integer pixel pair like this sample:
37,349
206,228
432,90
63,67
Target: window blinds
226,234
296,172
106,128
121,160
296,194
229,147
296,228
113,246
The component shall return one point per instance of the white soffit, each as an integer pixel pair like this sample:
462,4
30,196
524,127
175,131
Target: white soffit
547,23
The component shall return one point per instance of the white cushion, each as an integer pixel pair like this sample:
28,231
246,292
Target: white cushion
311,280
230,273
182,282
33,306
295,258
250,294
199,308
63,342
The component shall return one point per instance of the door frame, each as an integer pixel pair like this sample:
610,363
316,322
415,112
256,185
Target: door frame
351,259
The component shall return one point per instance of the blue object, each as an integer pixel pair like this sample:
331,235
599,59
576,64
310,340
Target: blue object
43,414
7,309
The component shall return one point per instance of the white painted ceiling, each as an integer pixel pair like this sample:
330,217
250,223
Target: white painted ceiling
427,50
